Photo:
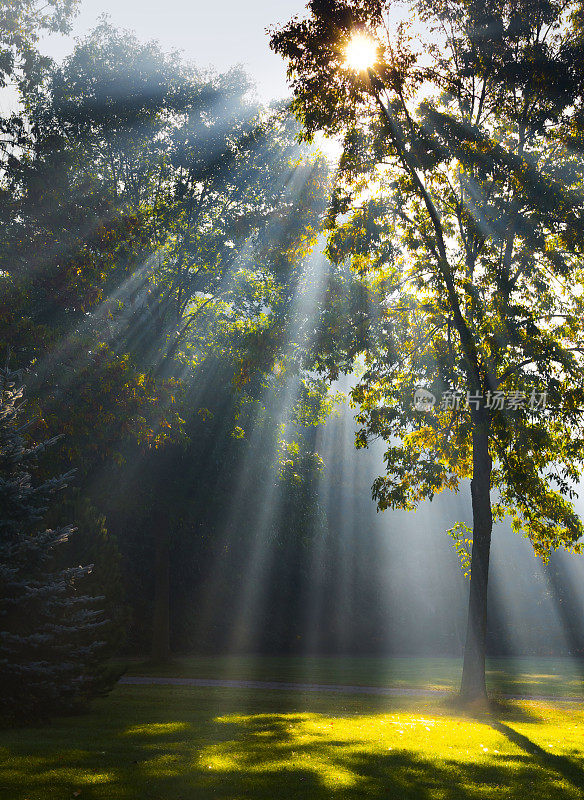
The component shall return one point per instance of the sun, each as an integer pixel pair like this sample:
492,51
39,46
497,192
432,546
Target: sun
361,52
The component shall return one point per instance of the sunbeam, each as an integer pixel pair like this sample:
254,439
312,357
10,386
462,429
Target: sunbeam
291,402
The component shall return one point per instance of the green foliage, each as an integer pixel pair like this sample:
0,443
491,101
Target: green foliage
458,198
21,24
22,67
460,533
296,465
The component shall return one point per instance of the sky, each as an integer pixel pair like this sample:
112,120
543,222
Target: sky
210,33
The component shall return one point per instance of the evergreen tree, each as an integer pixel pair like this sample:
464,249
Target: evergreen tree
50,633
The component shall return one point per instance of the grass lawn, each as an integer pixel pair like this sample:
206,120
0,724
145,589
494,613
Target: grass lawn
168,743
557,677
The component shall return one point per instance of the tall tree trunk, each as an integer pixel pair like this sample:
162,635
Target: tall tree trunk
473,685
161,621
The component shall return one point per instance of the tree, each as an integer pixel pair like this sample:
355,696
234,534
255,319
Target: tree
172,174
92,543
50,642
156,229
457,196
21,23
22,67
71,248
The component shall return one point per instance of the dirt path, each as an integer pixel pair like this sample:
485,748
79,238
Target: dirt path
387,691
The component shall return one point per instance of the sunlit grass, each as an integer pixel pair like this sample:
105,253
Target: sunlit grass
329,746
171,743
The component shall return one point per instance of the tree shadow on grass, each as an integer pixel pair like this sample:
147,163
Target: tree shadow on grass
189,746
346,770
500,709
563,765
